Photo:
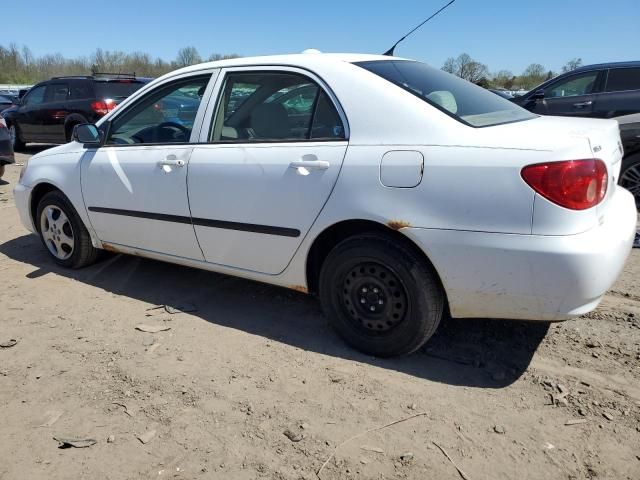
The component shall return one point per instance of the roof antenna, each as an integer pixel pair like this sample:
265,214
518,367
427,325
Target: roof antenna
389,52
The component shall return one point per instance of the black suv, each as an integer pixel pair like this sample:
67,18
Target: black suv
50,110
600,91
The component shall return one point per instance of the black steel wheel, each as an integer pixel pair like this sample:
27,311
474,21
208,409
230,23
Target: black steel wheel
380,295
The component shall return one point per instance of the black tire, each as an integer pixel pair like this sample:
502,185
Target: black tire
18,144
630,176
374,272
82,252
1,170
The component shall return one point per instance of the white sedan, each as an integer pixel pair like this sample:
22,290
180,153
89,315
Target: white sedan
396,192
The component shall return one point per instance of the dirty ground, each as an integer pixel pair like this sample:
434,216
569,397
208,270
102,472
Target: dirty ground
235,379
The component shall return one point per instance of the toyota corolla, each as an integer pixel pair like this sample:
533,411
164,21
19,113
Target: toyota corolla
394,191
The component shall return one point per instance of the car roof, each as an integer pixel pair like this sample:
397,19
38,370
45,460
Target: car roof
306,59
600,66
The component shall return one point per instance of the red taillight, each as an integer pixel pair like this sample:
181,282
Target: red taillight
103,107
573,184
3,124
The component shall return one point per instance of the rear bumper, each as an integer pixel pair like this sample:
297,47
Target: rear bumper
531,277
22,197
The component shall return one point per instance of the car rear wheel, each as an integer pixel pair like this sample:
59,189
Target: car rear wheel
15,138
63,233
380,296
1,170
630,177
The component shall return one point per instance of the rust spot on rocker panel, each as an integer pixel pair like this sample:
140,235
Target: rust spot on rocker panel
110,248
299,288
397,224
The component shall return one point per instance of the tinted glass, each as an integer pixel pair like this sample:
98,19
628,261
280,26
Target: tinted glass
80,90
4,99
35,96
117,89
326,120
621,79
274,106
572,87
166,115
57,92
458,98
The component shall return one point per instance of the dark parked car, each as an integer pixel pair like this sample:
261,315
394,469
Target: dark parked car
630,173
605,90
501,93
50,110
6,147
7,101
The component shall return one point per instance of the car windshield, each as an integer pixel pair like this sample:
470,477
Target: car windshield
117,88
462,100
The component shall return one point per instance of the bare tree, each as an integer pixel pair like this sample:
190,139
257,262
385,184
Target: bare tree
572,65
466,67
533,75
188,56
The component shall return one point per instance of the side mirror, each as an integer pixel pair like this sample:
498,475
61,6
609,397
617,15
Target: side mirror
87,134
538,95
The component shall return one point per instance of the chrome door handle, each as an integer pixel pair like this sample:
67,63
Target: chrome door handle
310,164
583,104
171,163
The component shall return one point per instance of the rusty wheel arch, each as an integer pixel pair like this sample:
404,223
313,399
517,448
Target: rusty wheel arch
340,231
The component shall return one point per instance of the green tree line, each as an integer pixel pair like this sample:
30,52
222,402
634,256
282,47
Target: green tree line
18,65
477,72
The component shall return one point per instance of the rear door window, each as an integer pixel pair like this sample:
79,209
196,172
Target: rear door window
57,92
274,107
623,79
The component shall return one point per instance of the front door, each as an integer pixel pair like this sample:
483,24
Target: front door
135,187
28,116
572,96
272,155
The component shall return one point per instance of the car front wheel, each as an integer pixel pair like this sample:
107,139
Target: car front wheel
63,233
381,297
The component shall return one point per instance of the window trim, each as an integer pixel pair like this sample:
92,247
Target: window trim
108,123
606,80
216,98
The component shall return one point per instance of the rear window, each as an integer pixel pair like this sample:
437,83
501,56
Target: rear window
117,89
622,79
462,100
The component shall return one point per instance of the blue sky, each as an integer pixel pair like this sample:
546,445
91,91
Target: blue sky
503,34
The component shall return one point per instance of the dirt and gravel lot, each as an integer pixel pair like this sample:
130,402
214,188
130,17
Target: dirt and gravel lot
253,384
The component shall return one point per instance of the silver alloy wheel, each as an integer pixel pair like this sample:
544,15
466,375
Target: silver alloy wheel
631,181
57,232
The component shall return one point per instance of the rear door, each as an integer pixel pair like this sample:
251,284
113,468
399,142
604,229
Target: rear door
571,96
270,154
55,111
621,94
